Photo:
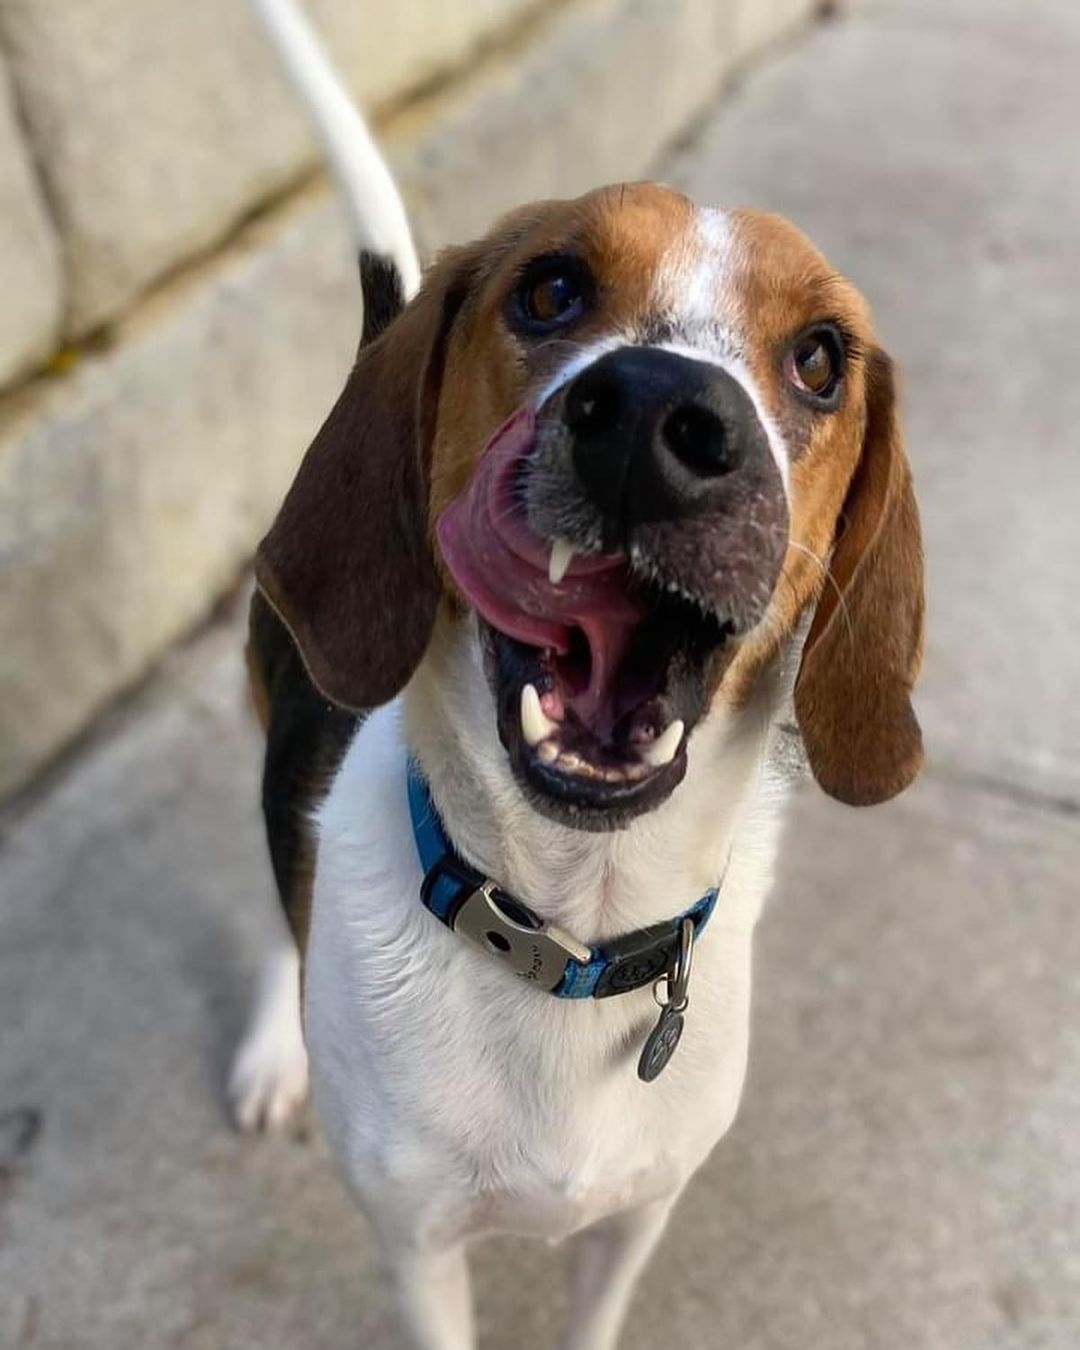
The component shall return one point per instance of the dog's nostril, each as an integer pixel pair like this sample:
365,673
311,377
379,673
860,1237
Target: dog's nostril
698,440
593,406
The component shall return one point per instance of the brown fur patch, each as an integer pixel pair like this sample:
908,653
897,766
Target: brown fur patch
622,232
855,546
864,649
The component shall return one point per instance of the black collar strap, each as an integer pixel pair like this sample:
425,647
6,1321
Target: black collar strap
474,906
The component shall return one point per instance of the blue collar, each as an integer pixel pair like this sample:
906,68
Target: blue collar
474,906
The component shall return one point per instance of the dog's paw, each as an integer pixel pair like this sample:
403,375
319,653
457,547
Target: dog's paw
268,1083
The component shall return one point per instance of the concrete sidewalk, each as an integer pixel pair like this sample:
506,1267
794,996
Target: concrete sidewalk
905,1173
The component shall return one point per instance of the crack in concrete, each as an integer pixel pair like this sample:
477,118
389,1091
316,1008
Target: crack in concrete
1021,794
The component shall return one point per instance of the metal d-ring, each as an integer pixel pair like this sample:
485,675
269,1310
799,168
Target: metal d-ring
676,982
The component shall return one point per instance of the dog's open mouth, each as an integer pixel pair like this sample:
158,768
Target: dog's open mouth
599,675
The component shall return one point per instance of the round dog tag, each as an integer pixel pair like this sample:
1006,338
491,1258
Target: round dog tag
660,1044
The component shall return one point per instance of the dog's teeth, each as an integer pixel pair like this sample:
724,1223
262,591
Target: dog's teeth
535,727
562,555
547,752
664,748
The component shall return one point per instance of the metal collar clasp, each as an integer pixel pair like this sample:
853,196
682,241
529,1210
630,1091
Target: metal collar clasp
505,928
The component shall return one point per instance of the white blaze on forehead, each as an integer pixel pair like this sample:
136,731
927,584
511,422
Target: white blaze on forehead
693,283
695,291
691,287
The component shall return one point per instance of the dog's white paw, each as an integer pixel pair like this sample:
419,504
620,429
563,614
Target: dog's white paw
268,1083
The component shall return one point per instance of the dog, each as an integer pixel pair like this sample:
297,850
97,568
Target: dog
607,492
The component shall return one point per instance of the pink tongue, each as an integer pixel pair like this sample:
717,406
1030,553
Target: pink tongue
502,566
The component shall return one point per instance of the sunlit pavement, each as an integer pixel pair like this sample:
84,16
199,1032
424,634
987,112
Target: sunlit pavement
905,1173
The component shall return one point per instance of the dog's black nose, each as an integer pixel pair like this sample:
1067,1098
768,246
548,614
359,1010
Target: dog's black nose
654,434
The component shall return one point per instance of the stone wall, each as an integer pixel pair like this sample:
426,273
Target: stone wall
180,301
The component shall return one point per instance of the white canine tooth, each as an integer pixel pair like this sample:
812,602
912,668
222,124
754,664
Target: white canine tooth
547,752
535,726
664,748
562,555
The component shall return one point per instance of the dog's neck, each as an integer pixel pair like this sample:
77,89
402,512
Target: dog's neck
594,884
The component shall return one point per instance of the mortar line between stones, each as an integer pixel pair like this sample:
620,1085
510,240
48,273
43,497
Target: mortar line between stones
501,43
385,118
49,201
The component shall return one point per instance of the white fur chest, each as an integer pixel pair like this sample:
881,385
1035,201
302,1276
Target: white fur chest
458,1099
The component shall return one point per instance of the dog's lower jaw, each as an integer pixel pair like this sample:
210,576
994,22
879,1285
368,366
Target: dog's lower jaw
594,884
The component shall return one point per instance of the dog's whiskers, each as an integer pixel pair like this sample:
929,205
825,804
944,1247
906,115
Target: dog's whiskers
830,579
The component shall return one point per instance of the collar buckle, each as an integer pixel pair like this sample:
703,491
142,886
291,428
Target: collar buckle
509,931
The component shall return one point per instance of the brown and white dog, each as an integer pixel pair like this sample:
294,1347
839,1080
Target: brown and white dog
561,532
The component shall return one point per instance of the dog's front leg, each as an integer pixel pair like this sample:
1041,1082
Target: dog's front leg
607,1260
433,1295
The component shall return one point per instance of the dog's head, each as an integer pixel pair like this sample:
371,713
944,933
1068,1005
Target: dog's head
637,440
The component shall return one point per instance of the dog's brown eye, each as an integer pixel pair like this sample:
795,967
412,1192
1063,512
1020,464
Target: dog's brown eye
551,298
814,364
551,293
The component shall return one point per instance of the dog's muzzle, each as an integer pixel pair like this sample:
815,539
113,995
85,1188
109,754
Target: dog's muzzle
663,458
614,541
654,437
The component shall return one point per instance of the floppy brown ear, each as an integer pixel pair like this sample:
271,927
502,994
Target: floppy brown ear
864,648
348,564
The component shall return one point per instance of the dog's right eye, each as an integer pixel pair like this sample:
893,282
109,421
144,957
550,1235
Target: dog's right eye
552,293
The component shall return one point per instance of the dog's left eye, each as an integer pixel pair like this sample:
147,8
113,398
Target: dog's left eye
815,363
551,294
